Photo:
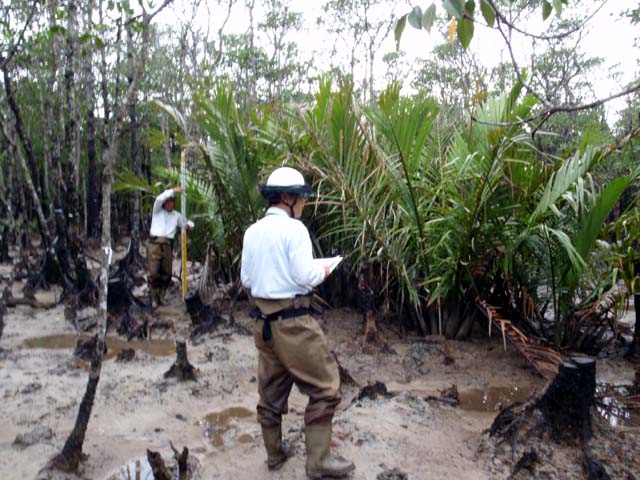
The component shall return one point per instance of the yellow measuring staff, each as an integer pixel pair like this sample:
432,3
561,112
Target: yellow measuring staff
183,166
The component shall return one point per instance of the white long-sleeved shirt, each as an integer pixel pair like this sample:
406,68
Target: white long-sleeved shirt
163,222
277,258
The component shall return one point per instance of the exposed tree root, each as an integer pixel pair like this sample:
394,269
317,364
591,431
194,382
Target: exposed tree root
205,318
158,467
85,348
135,323
372,391
182,459
160,470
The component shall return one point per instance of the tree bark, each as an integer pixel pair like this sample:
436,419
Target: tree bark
71,133
69,459
167,140
158,468
134,247
634,350
93,203
7,232
567,402
19,127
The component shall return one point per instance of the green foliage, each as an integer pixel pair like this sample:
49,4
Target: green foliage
463,17
452,211
429,17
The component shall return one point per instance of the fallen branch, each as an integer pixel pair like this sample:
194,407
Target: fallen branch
544,359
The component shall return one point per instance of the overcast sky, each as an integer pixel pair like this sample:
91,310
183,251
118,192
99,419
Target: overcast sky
608,36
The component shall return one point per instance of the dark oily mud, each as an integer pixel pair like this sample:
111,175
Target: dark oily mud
154,347
492,399
225,427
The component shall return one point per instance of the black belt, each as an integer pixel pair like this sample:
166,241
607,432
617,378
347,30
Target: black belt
154,239
272,317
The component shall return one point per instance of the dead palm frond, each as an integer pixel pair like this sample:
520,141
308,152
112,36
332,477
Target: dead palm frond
543,358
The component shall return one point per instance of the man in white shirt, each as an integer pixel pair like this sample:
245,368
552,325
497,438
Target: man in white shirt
164,223
278,268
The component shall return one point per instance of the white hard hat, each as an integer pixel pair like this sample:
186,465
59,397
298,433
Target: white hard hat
285,179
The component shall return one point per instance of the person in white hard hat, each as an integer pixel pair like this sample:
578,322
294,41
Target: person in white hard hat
278,270
164,223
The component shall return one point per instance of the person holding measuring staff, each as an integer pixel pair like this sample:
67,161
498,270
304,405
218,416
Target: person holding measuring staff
279,270
164,223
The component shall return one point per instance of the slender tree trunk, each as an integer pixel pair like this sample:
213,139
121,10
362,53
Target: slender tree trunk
93,202
71,454
104,84
635,346
47,239
58,186
167,141
115,220
46,160
134,247
7,232
19,127
254,69
24,237
71,134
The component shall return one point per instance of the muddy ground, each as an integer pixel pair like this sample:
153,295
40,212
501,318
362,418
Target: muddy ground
41,384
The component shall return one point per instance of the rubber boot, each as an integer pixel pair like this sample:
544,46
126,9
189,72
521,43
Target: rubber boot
320,461
276,454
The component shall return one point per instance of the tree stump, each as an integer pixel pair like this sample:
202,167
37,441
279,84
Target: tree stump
567,402
203,317
158,467
563,411
181,369
182,459
194,306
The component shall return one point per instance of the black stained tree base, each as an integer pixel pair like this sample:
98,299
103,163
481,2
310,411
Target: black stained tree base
182,370
566,403
563,411
204,318
69,459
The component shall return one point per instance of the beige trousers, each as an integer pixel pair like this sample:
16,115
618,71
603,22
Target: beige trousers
296,353
160,261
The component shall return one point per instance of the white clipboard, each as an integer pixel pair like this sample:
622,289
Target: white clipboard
333,262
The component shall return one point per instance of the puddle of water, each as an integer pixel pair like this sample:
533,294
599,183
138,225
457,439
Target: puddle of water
245,438
222,427
155,347
492,399
615,406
